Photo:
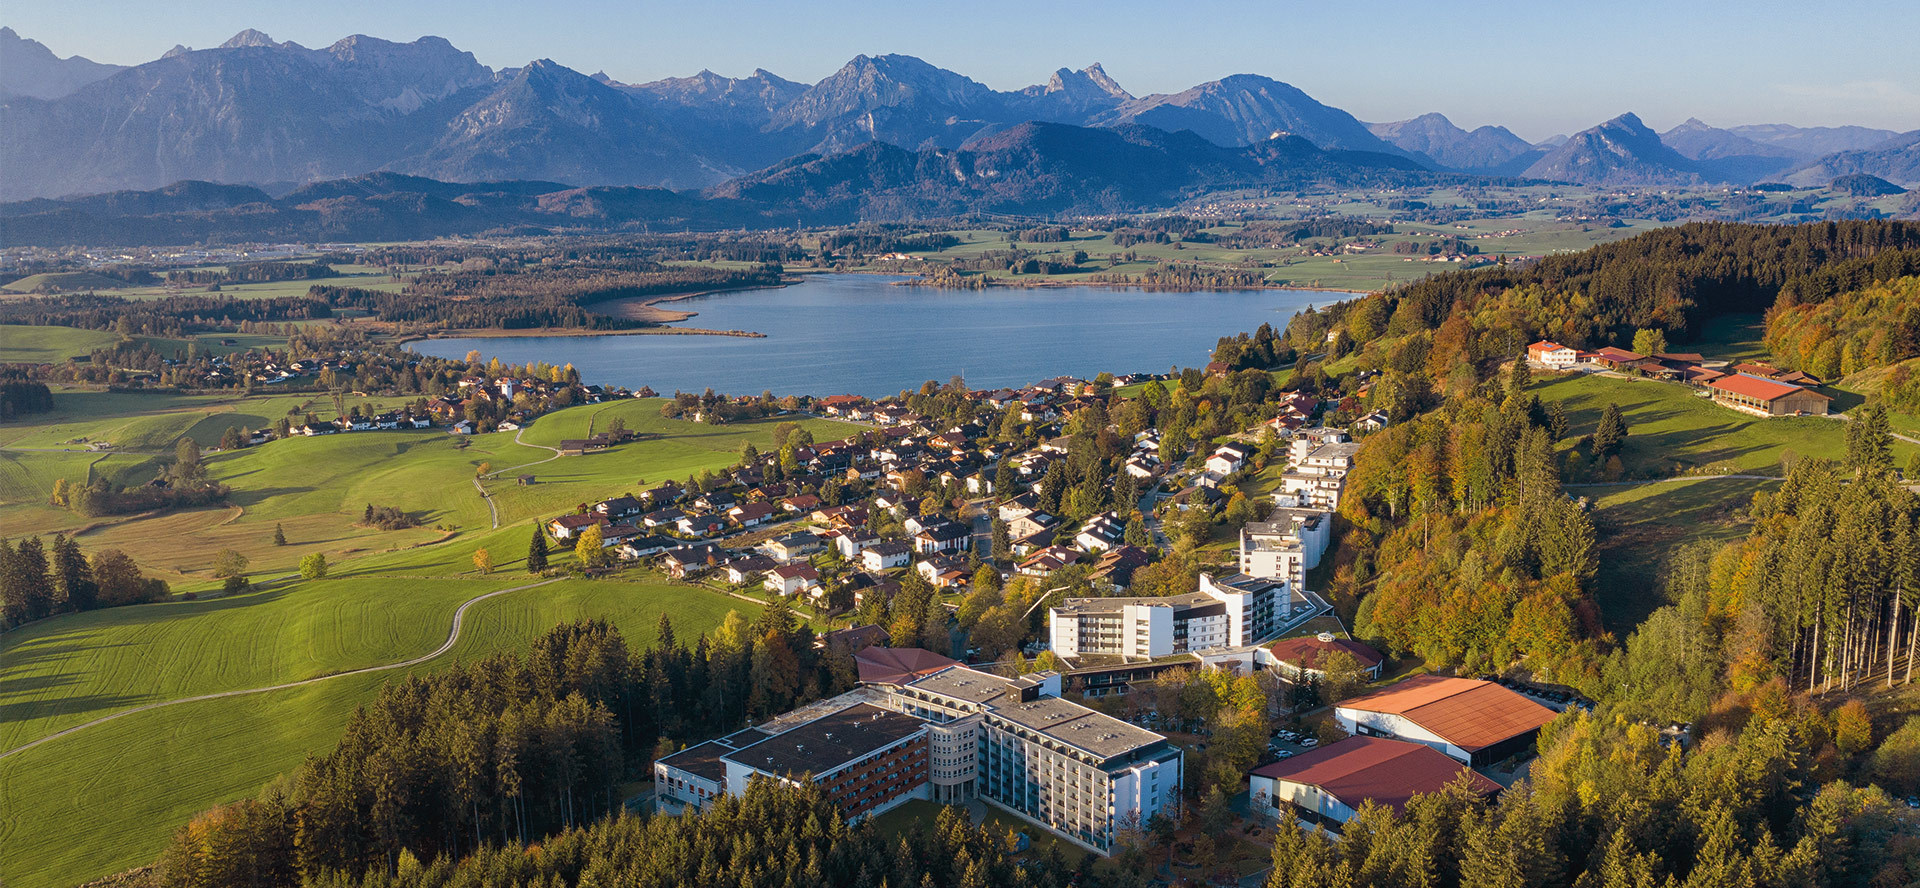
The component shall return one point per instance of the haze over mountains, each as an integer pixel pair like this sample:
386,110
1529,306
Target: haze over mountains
279,115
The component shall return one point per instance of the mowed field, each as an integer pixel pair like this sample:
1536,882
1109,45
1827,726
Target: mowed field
1673,431
49,345
1642,525
107,797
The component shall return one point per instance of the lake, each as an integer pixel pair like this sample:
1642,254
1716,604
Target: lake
860,334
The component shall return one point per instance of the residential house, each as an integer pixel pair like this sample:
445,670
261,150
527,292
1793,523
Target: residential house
793,579
944,536
886,555
686,561
752,514
1102,531
793,546
567,527
1229,458
741,569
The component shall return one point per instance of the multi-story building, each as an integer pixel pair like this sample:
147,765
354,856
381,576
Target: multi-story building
923,726
1286,545
1233,611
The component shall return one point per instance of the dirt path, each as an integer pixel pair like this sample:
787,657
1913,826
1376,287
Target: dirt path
1673,479
453,637
492,512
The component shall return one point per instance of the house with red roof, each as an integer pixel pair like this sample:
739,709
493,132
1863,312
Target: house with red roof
1328,785
1476,722
1551,354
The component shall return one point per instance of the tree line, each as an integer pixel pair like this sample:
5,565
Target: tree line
39,580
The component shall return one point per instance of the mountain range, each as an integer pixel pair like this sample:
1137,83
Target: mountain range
1033,169
279,115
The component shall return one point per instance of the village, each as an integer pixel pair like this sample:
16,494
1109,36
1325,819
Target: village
828,526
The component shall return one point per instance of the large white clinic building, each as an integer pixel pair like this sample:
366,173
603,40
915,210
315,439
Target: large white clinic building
923,726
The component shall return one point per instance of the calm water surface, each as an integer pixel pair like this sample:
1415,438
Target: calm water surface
859,334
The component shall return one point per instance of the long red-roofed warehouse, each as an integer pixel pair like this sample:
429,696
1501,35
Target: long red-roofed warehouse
1328,785
1476,722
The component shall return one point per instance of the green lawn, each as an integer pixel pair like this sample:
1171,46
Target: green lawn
67,670
65,281
49,345
1642,525
669,449
1672,431
107,798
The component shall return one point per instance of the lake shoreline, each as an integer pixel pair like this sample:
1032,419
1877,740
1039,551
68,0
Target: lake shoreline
857,333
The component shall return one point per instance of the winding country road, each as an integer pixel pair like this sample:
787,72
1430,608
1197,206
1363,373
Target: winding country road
453,637
492,512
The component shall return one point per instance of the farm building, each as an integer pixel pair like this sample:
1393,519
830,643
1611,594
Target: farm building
1765,397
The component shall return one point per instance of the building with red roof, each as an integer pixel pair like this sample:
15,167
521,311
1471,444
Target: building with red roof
1766,397
1476,722
898,666
1328,785
1547,353
1298,657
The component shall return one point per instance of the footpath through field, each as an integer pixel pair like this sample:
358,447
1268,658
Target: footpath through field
453,637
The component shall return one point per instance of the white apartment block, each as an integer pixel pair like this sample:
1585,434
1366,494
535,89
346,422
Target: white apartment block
1286,545
1233,611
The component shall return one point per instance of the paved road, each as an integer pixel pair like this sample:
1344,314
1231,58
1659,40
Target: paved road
453,637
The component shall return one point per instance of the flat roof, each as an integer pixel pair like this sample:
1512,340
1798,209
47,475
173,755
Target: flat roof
703,759
1467,713
1079,606
1389,772
962,683
1102,736
825,744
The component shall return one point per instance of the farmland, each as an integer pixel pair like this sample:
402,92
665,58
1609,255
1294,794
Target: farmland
1673,431
108,797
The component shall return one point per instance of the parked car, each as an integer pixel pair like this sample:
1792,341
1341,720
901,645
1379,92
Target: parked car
1288,753
1309,742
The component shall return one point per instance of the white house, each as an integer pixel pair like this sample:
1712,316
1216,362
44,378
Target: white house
1229,458
1552,355
883,556
792,579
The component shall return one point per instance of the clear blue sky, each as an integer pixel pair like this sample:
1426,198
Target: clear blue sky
1538,67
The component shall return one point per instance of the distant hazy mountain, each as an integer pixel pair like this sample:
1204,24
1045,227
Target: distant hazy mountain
1491,150
1813,141
1040,168
1031,168
1622,151
278,115
1896,160
252,112
1245,109
547,121
28,68
1724,156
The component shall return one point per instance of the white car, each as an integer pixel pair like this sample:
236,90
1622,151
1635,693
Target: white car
1309,742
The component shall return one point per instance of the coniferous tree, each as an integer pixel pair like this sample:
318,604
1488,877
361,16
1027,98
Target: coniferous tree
537,551
1610,434
73,583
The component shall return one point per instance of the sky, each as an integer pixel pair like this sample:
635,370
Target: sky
1539,67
